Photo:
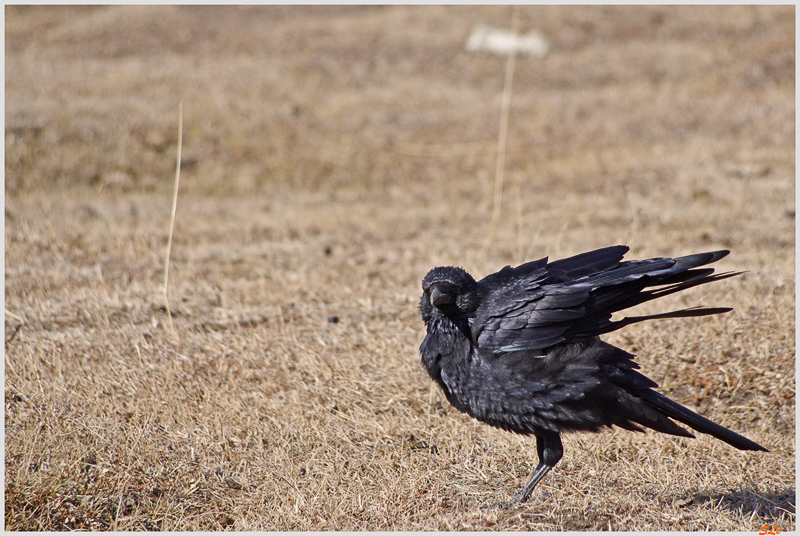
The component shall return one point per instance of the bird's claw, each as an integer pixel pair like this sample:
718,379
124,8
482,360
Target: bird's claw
503,505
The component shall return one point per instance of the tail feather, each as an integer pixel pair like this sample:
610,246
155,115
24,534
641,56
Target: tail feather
697,422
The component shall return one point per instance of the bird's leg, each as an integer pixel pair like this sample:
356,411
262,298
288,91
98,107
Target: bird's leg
550,452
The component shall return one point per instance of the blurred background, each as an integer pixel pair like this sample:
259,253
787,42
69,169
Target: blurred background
331,156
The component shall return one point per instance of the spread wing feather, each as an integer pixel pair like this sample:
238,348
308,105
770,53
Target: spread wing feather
538,304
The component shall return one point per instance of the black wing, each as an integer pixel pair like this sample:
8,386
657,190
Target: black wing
540,304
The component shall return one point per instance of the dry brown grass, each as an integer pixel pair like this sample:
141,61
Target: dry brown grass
331,157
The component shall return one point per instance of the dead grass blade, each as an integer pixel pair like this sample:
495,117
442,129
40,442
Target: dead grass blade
502,136
172,221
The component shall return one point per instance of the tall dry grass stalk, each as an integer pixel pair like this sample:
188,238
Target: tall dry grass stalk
502,136
172,221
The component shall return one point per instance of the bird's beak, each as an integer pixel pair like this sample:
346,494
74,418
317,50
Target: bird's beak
439,298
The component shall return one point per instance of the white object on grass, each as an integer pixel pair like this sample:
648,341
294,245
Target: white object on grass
500,41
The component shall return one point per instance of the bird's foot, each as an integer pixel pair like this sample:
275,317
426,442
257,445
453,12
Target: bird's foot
503,505
506,505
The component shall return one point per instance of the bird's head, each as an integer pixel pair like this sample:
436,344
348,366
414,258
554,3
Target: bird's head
451,292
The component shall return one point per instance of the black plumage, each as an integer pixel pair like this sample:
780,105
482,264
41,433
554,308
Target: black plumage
520,349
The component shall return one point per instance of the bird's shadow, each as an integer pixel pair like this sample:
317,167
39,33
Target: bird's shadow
772,507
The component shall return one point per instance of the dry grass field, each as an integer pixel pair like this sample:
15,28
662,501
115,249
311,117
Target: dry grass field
331,157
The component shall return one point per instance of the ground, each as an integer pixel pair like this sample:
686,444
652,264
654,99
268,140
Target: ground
331,156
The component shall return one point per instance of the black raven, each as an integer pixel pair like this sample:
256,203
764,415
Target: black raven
520,349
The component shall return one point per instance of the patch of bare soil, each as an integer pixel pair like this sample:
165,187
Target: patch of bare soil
331,157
